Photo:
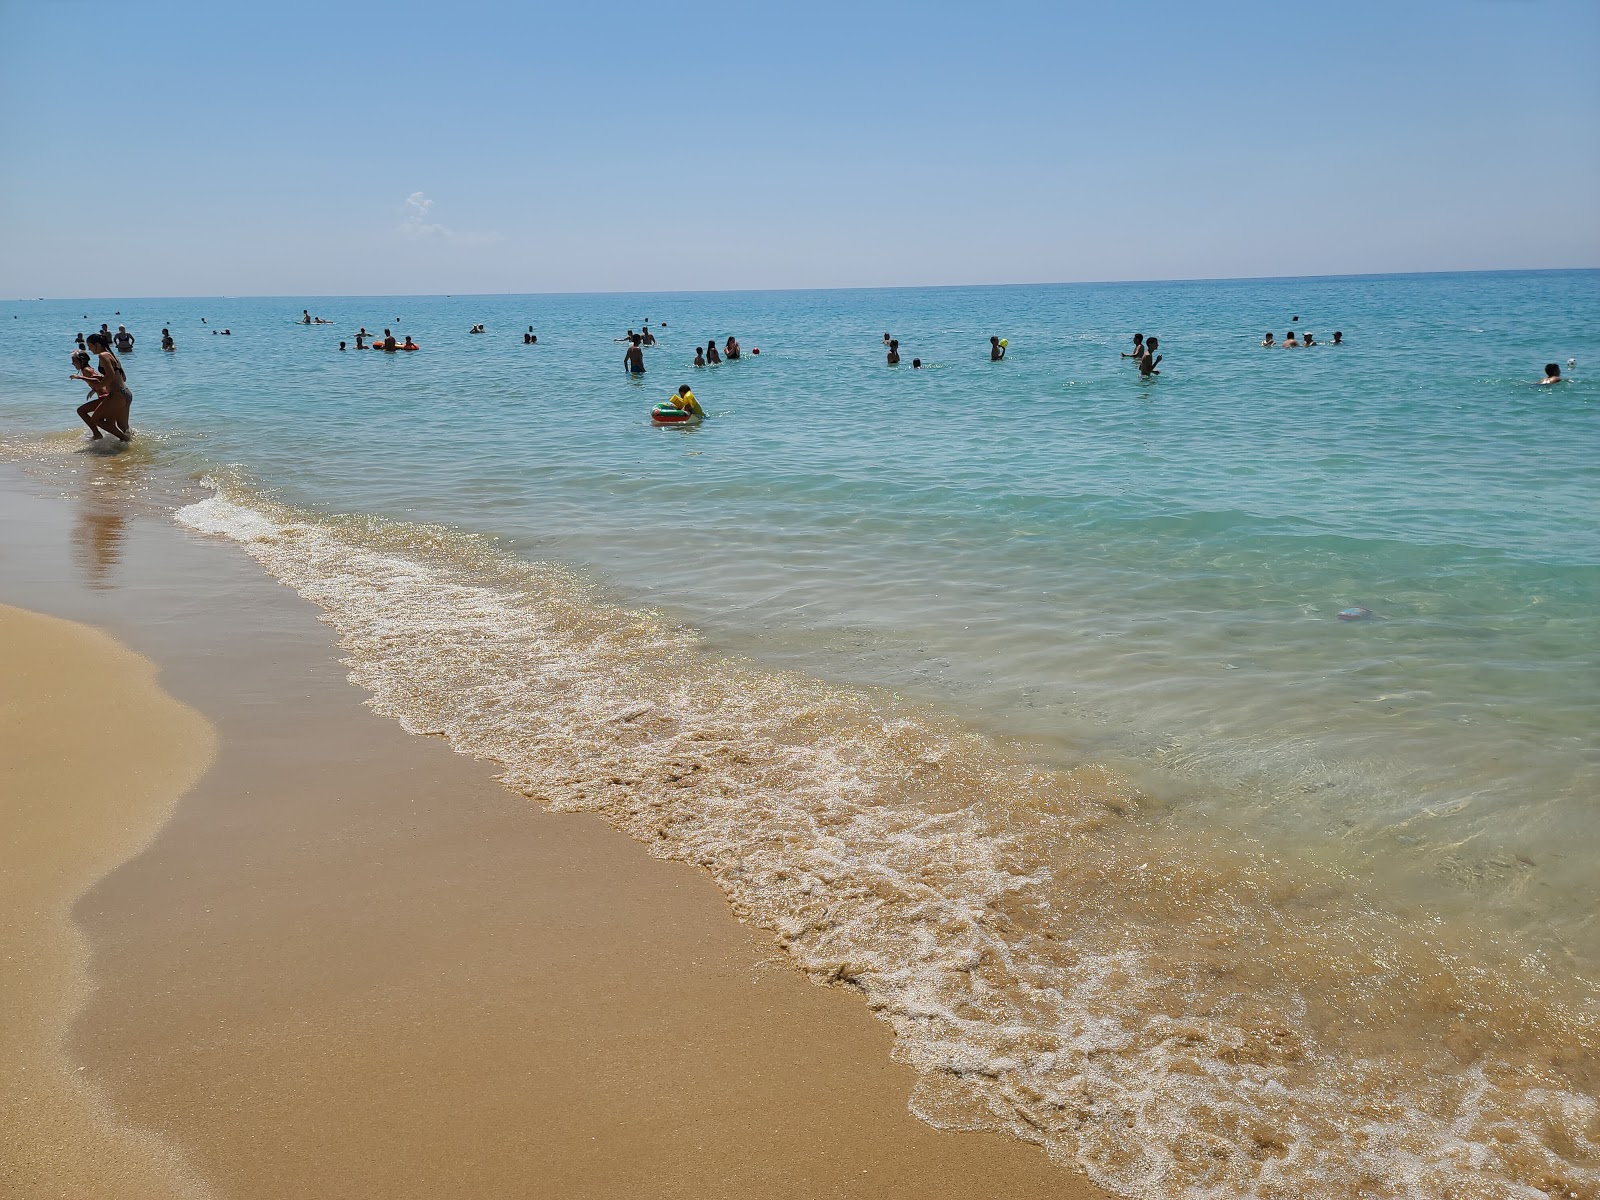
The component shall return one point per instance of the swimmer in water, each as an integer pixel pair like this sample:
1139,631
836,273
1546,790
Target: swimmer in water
359,336
341,346
685,400
166,340
699,357
1310,340
1290,342
894,352
1338,338
408,344
996,350
886,339
916,364
305,316
731,350
633,360
647,337
712,357
1552,374
1148,364
1138,348
1269,340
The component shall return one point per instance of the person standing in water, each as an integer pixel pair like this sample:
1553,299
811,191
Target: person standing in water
633,359
1148,364
166,340
731,350
699,357
996,350
1552,374
712,357
124,339
116,400
1138,348
894,352
1269,340
97,392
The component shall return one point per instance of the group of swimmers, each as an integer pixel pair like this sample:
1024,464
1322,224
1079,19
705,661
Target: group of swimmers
1290,342
386,342
710,357
997,350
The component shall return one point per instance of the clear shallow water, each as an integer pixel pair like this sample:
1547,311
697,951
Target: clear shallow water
1129,583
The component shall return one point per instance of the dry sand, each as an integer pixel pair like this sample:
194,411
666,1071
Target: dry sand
93,759
352,965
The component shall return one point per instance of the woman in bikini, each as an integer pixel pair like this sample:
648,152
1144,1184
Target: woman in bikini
117,398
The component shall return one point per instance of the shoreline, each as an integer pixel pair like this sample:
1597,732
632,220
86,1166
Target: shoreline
98,756
351,962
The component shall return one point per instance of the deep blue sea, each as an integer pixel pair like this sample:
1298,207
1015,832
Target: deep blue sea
1037,643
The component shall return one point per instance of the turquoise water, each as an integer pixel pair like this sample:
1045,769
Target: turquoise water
1084,568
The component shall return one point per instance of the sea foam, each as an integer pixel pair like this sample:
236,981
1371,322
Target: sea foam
1177,1016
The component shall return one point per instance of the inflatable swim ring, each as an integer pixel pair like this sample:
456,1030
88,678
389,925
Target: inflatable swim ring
670,414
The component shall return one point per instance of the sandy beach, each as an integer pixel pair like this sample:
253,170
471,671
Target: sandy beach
346,961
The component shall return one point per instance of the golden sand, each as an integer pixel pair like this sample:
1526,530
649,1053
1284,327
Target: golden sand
95,756
353,964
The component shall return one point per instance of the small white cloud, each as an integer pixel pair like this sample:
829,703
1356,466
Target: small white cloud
416,225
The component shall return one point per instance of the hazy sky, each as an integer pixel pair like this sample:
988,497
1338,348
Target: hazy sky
202,149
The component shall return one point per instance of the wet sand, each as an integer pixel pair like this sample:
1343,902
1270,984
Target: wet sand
352,964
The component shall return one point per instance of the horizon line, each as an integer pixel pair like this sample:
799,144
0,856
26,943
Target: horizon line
901,287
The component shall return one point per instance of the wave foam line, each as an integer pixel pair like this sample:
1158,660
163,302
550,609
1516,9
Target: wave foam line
1175,1018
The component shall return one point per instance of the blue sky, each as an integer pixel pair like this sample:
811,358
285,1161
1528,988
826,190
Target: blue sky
201,149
